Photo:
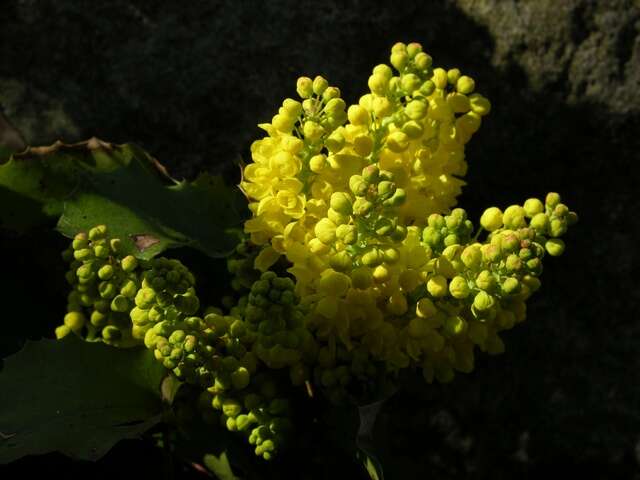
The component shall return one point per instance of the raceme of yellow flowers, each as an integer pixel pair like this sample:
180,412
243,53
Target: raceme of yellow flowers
358,200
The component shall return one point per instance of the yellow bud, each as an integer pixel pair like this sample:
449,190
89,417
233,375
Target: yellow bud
378,84
454,326
317,163
325,231
439,78
320,84
381,274
513,217
304,87
282,123
413,129
453,75
62,331
337,217
425,308
532,207
416,110
399,60
410,82
437,286
479,104
459,103
312,130
334,142
358,115
382,107
341,203
465,85
459,288
491,219
383,70
398,141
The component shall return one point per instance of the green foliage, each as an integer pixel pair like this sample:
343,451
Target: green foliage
76,397
122,187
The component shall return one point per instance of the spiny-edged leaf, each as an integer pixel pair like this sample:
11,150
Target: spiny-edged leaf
123,187
76,397
220,466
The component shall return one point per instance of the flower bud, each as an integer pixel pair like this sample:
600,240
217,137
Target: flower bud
413,129
416,109
513,217
358,115
341,261
485,280
129,263
312,131
439,78
378,84
552,199
317,163
491,219
386,189
483,301
557,227
465,85
422,61
357,185
471,256
334,142
362,207
555,247
479,104
399,60
372,258
319,85
532,207
410,82
361,278
304,87
540,223
74,321
454,326
427,88
348,234
371,174
341,203
510,286
437,286
459,288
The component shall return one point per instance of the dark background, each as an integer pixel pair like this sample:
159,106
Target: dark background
189,81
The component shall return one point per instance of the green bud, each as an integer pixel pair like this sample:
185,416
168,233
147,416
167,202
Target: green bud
416,110
422,61
436,220
540,223
453,75
334,142
513,263
431,236
410,82
120,303
459,288
372,258
357,185
320,84
557,227
427,88
98,233
371,174
74,321
341,203
83,254
129,263
510,286
491,219
362,207
483,301
554,246
386,189
80,241
513,217
398,198
341,262
552,199
116,245
111,333
391,255
454,326
107,290
105,272
348,234
485,280
129,289
399,60
471,256
240,378
465,85
532,207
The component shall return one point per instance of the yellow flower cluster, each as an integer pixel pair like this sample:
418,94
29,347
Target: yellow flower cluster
348,197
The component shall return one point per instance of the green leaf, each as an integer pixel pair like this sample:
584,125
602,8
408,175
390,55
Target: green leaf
220,466
123,187
76,397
